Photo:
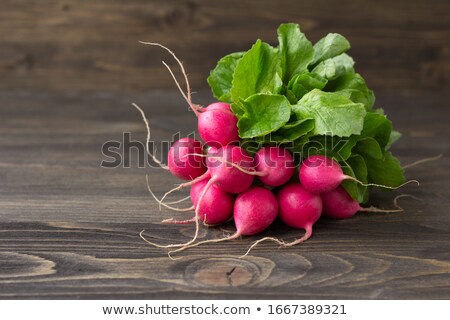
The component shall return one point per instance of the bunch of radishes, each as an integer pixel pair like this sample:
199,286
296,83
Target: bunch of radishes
283,100
228,184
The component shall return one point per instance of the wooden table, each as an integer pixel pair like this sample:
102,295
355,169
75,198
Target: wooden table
69,228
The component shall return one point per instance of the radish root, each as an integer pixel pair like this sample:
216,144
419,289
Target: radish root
163,166
233,236
179,201
399,208
166,205
415,163
380,185
282,243
173,221
186,184
187,97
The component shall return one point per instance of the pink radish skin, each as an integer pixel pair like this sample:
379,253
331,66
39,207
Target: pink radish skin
226,176
182,163
338,204
319,174
217,125
254,210
216,206
299,208
277,165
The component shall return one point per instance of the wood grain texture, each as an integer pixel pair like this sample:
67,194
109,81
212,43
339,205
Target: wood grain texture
93,45
69,228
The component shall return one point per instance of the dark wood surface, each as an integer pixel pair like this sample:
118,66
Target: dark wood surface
93,45
69,228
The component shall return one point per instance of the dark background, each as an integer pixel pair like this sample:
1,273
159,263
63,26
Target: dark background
69,71
93,45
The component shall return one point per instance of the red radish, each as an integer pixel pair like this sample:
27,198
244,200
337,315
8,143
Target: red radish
320,174
230,167
183,161
338,204
254,210
216,206
275,164
217,125
299,208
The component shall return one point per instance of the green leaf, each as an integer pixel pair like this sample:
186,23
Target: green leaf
335,67
331,146
291,131
369,147
256,72
377,126
303,83
355,86
395,135
295,50
220,79
386,171
262,114
236,107
333,113
332,45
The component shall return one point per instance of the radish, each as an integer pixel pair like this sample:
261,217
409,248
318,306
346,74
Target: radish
183,161
275,164
299,208
254,210
320,174
338,204
230,168
216,206
217,125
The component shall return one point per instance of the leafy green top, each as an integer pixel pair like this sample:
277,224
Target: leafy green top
309,98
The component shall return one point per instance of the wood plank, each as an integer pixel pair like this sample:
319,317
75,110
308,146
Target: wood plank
92,45
69,229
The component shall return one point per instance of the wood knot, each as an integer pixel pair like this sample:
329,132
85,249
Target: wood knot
15,265
222,272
